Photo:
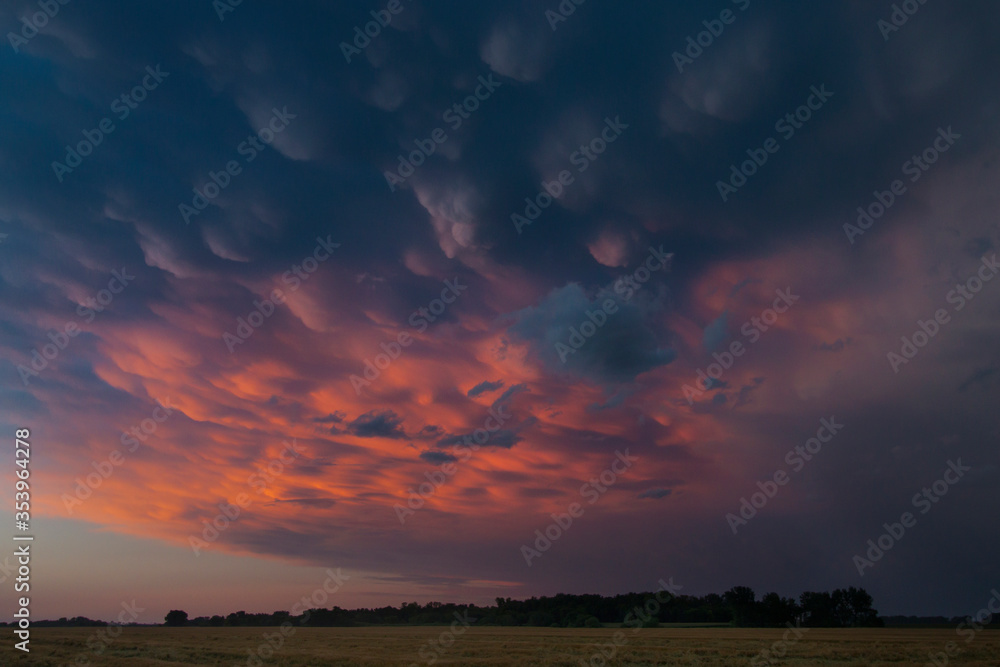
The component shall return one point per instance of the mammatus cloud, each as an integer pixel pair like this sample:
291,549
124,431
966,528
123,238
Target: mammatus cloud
625,345
549,332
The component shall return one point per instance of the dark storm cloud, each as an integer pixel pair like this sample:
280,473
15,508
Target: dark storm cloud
437,457
334,417
378,424
311,502
429,432
716,332
835,346
484,387
508,394
656,493
334,162
624,347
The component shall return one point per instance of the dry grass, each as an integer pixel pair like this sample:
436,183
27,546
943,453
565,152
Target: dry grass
399,647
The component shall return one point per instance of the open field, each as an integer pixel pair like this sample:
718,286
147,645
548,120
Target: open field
384,647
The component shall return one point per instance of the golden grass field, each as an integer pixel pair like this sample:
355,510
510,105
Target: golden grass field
398,646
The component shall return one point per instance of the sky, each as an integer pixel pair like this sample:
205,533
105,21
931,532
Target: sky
389,303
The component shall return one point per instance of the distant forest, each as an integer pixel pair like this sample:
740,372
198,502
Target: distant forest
739,606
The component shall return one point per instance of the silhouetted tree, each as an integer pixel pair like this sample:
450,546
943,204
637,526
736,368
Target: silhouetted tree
818,609
176,618
852,608
776,610
743,602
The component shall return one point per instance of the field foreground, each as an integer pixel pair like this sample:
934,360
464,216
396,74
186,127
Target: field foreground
411,646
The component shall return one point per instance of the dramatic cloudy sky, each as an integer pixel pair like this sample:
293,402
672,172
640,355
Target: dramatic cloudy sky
607,69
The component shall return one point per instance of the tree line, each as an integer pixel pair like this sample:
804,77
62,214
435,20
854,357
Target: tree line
739,606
